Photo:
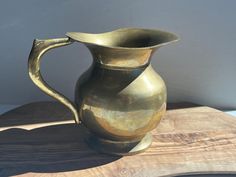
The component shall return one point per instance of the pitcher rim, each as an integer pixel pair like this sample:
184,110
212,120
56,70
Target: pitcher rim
174,38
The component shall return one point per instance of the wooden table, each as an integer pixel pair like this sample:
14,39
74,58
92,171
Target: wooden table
40,139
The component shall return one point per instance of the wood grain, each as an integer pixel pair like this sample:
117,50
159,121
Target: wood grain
198,140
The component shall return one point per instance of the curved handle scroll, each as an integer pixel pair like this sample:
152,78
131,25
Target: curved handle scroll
39,48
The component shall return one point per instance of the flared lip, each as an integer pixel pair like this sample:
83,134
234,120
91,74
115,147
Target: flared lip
168,36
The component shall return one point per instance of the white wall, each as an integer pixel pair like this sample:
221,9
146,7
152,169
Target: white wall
200,68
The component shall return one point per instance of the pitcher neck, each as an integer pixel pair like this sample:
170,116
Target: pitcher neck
120,58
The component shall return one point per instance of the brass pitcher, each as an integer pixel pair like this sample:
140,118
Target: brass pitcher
120,98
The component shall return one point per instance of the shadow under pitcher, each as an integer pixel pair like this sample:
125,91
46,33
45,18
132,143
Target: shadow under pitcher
120,98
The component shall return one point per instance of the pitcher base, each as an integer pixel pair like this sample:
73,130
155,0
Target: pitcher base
120,148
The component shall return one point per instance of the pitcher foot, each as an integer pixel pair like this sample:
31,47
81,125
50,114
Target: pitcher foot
120,148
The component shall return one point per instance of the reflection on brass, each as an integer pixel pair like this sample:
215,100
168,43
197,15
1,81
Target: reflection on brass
120,98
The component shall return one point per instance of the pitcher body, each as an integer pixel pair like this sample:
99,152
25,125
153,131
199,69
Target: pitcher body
120,104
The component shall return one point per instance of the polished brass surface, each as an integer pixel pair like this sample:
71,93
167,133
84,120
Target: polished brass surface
120,98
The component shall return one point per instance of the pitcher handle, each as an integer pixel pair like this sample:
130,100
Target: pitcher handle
38,49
